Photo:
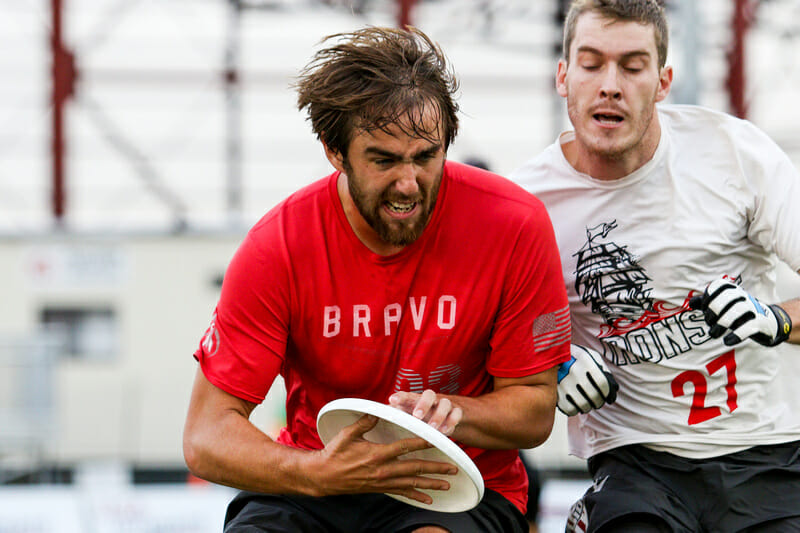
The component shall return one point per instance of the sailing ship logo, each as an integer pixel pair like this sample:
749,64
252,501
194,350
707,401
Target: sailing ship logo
609,278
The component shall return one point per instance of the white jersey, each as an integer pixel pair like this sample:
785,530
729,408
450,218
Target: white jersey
717,198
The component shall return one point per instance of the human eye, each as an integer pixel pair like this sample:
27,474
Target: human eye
634,65
425,157
383,162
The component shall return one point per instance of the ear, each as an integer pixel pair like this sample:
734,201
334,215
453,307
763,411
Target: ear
664,83
561,78
335,157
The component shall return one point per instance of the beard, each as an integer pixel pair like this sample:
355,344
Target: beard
395,232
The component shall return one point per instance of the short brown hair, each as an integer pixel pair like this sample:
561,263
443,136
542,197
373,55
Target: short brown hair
374,77
642,11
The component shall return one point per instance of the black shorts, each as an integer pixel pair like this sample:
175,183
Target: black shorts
251,512
722,494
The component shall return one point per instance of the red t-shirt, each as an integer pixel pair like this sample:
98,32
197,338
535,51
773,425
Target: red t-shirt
479,294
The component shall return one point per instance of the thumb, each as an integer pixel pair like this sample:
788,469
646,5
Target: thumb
361,426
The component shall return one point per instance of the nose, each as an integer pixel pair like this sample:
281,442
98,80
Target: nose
406,180
610,86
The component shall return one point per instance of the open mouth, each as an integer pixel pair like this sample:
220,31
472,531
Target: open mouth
400,208
604,118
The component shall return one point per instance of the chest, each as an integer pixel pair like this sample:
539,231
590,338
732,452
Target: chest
423,321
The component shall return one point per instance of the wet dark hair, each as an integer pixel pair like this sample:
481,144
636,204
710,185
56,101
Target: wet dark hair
642,11
373,78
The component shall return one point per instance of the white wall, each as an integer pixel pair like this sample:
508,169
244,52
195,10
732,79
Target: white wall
162,289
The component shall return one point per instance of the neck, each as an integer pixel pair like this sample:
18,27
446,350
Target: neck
607,167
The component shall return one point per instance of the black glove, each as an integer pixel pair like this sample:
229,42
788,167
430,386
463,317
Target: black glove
584,382
728,307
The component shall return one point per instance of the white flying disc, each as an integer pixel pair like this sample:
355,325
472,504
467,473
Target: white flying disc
466,487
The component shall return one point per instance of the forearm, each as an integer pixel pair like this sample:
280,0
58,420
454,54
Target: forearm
233,452
514,416
221,445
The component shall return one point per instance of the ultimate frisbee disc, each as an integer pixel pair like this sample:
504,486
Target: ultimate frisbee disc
466,487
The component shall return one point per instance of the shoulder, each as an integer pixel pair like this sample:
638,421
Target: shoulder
312,197
289,222
539,173
701,119
692,127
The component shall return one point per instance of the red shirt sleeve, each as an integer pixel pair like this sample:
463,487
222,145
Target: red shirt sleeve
534,313
244,347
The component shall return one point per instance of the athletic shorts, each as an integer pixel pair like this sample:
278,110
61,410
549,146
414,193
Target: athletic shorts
251,512
719,495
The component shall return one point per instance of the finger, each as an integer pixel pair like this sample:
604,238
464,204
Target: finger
571,406
697,302
613,388
717,331
361,426
746,329
745,324
412,494
566,405
710,317
405,446
415,493
405,401
731,339
725,299
453,419
439,413
602,388
735,312
422,482
424,404
577,398
588,402
418,468
718,287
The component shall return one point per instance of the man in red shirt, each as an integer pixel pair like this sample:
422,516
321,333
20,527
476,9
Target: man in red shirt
400,278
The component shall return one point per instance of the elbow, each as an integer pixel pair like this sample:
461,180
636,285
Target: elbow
539,431
531,431
193,454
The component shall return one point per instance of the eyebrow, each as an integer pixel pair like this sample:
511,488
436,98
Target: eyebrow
372,150
626,55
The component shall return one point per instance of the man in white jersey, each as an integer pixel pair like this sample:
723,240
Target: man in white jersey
670,221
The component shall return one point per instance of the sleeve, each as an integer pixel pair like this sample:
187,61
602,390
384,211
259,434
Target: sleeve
244,347
532,329
774,182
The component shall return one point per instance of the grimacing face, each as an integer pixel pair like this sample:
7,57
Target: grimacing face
612,84
393,178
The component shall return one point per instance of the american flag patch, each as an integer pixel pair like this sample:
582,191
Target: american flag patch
551,329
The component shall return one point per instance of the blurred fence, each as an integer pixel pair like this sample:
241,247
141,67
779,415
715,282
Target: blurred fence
26,401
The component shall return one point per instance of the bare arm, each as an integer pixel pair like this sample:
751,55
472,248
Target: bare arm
518,413
221,445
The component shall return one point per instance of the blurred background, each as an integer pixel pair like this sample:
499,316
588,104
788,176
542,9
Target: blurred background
139,140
